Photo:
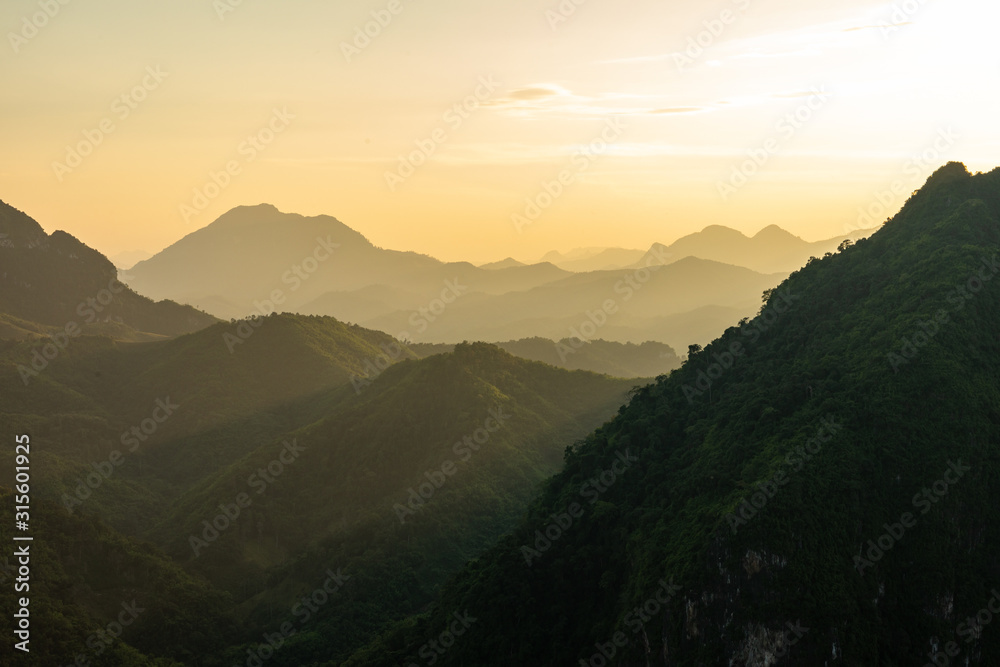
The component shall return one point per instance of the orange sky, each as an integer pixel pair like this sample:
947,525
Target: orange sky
794,113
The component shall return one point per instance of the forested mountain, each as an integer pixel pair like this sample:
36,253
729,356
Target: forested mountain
625,360
58,282
398,485
815,486
316,440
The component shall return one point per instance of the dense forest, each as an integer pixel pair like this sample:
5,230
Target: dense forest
815,484
813,487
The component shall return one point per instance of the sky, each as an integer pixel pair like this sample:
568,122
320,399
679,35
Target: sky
477,130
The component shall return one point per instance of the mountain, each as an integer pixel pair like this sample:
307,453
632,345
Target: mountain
397,485
101,598
233,387
60,283
582,260
817,484
126,260
503,264
326,428
256,259
626,360
771,250
624,305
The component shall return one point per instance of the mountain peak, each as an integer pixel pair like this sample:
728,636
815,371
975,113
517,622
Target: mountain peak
250,214
775,233
722,231
19,228
949,173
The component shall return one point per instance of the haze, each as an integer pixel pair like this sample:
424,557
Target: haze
889,94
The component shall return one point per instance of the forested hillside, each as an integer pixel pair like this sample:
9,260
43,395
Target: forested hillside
817,483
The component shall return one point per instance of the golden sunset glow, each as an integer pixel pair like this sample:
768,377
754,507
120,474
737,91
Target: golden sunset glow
486,103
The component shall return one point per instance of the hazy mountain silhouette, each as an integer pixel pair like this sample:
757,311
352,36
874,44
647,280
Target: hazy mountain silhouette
233,266
642,305
594,259
771,250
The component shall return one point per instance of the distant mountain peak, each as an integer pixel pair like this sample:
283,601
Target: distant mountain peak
250,213
775,233
505,263
722,230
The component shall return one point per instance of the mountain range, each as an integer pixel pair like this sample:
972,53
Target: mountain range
144,444
814,487
259,260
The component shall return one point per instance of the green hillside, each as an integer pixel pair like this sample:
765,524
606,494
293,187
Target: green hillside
625,360
817,483
313,436
57,281
398,485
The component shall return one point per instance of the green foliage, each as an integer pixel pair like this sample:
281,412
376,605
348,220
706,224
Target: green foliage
825,356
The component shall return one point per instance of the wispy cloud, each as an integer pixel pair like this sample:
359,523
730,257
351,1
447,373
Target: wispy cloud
552,100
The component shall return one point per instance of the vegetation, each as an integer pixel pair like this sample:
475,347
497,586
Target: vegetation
822,351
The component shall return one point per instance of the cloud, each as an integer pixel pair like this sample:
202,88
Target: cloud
794,94
677,110
553,101
537,92
882,26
